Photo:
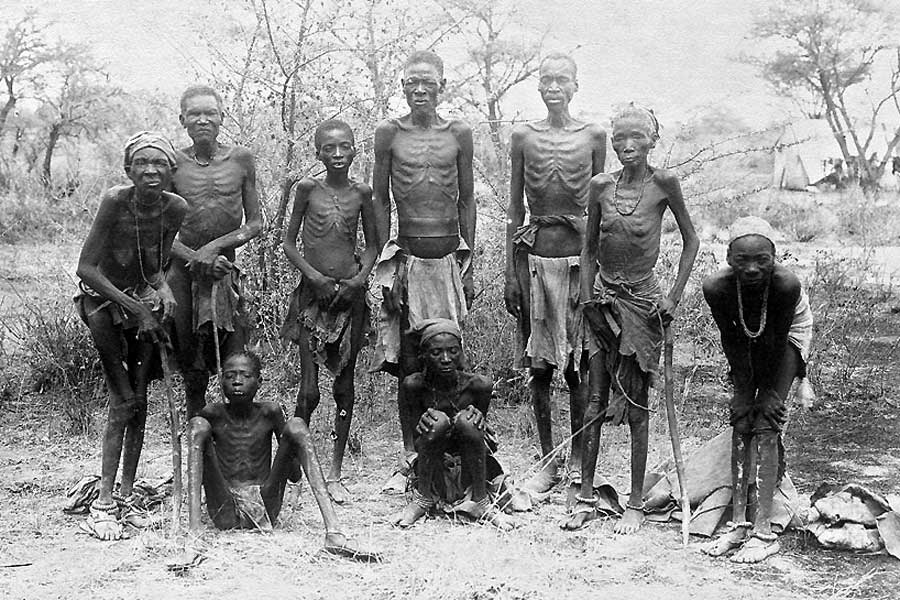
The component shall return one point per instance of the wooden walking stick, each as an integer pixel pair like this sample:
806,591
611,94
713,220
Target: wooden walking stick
175,431
673,435
214,296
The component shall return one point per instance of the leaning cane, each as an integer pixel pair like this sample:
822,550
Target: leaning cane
673,434
213,299
175,431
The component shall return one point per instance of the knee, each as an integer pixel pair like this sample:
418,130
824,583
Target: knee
542,375
343,391
200,428
467,432
296,431
637,417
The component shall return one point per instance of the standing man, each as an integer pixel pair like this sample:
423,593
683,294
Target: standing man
219,184
552,164
426,271
765,320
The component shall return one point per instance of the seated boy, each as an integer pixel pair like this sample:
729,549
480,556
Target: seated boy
328,315
449,406
230,453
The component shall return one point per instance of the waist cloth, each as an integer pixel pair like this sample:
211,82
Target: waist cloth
231,312
623,321
89,303
430,288
249,507
555,327
330,331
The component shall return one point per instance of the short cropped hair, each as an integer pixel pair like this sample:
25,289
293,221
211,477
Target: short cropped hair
560,56
199,90
248,354
633,110
330,125
425,56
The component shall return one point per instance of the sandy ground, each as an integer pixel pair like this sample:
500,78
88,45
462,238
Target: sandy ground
437,558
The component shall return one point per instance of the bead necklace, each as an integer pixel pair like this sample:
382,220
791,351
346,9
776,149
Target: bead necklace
640,193
137,231
763,311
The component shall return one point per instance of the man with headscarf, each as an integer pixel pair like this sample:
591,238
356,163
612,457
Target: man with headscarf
124,299
219,184
449,406
765,322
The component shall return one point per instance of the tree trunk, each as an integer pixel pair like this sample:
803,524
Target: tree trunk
7,108
48,155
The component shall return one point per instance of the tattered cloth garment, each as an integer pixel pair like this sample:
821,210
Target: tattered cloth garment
855,518
801,331
89,302
449,492
708,480
432,288
329,330
623,320
249,507
556,326
230,310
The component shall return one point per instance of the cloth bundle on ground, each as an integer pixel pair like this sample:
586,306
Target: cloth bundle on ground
708,479
855,518
131,512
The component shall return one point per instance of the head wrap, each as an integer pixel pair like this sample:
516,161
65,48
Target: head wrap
751,226
432,327
149,139
632,108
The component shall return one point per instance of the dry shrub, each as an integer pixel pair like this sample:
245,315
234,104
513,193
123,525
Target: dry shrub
61,366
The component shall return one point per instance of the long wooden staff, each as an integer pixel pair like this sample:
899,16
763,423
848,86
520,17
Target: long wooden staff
673,435
175,432
214,297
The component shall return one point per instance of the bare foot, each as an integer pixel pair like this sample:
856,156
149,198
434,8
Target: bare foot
582,515
102,523
726,542
756,550
544,480
412,513
630,522
338,544
396,484
338,492
573,486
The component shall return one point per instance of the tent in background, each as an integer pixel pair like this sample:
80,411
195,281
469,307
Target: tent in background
805,154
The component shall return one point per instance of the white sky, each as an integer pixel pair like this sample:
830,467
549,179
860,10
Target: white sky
673,55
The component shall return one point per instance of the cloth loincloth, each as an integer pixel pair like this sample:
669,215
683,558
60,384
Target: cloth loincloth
556,325
330,332
230,309
800,333
525,236
431,288
249,508
624,322
89,303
